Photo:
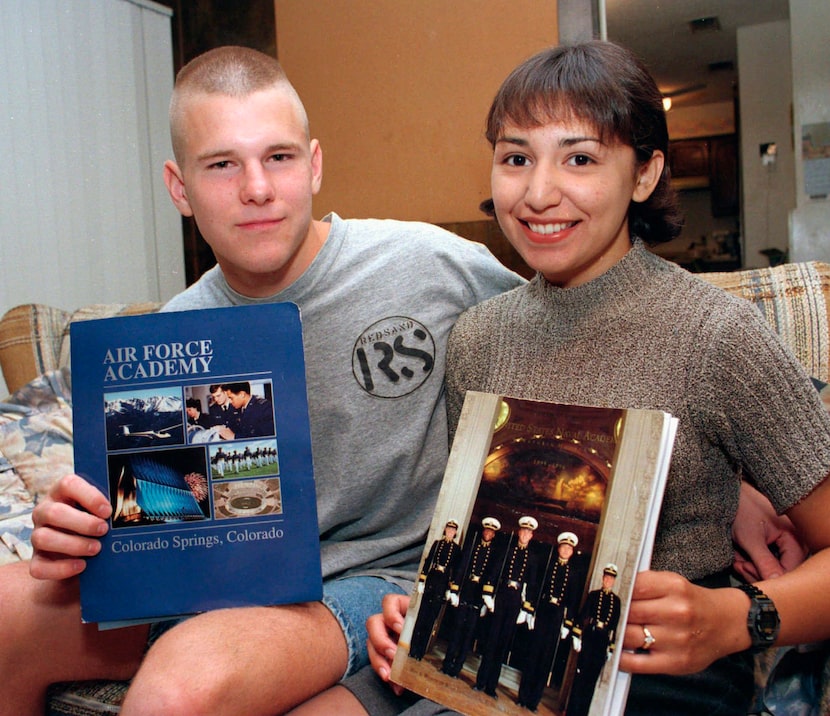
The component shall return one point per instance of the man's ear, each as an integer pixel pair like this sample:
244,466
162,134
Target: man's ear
648,175
174,180
316,166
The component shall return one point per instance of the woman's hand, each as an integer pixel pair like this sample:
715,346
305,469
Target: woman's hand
692,626
384,630
69,522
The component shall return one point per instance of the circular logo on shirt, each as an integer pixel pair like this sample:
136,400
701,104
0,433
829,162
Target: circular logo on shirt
393,357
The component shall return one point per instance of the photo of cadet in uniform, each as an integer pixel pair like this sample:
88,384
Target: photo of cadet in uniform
195,415
254,411
594,637
236,410
220,409
208,409
433,585
465,593
548,646
506,598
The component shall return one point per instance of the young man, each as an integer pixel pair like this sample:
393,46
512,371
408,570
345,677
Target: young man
548,648
378,299
594,638
465,594
254,414
220,409
505,594
433,583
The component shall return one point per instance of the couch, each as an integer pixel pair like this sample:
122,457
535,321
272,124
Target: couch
36,447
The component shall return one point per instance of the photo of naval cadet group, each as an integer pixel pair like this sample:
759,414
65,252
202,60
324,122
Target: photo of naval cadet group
518,602
196,452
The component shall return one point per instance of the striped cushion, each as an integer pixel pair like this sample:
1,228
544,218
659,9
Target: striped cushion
30,342
793,298
34,338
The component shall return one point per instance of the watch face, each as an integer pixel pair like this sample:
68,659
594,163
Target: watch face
763,621
767,621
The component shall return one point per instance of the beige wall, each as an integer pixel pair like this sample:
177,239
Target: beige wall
765,79
810,220
397,92
701,120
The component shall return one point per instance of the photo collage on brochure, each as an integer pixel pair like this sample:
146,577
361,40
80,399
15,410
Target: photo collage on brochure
174,454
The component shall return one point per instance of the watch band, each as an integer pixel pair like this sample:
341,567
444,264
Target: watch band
762,621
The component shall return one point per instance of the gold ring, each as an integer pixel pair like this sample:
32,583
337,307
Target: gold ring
648,639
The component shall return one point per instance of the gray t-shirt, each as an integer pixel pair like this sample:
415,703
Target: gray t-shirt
377,305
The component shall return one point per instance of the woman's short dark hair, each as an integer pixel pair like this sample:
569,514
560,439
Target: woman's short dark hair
608,86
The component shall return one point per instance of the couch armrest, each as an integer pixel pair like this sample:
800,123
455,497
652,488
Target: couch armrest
34,338
30,342
794,299
101,310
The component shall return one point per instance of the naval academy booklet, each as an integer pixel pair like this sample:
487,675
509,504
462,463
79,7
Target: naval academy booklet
214,505
590,477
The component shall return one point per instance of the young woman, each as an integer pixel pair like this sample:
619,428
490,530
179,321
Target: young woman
580,186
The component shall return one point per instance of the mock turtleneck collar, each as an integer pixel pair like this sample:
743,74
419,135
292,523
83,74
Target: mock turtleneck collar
607,298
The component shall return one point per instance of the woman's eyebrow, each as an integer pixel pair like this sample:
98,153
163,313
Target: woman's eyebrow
570,141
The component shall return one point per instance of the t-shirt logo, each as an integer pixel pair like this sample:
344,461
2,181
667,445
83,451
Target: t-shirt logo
393,357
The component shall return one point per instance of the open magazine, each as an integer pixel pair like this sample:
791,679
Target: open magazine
546,514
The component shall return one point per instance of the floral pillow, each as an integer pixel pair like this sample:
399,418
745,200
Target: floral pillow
15,515
35,449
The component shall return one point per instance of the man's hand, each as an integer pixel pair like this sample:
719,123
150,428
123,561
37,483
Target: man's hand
69,523
384,630
767,544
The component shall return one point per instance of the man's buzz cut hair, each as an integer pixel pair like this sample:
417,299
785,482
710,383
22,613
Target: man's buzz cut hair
232,71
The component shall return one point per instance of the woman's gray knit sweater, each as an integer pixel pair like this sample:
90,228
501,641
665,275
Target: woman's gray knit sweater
648,334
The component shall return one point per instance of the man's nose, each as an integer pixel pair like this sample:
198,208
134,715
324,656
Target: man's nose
257,186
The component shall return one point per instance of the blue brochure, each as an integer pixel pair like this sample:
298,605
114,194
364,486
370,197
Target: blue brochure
195,425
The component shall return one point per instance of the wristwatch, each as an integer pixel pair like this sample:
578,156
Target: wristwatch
762,621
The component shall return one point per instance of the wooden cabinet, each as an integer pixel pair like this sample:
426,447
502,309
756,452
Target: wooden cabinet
723,173
708,163
689,163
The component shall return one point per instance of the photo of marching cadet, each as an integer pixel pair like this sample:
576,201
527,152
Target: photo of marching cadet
251,458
